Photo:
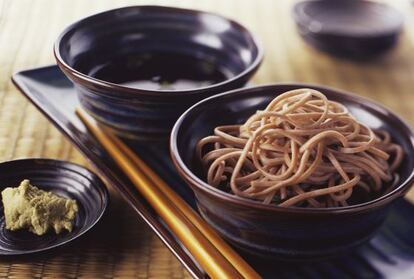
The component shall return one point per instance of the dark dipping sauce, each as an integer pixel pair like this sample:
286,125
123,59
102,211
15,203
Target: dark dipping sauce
161,71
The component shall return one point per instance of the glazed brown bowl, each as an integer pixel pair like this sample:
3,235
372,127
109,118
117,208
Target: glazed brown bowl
131,35
356,29
291,233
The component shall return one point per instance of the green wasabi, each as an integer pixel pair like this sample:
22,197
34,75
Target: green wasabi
28,207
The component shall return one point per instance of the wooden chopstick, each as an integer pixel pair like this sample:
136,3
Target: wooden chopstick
170,207
244,268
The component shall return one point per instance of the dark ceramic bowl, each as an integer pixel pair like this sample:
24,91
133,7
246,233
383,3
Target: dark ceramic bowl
93,42
272,231
351,28
63,178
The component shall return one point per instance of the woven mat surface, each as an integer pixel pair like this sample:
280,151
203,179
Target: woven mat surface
122,246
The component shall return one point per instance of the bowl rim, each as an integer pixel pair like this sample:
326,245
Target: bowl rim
78,169
195,182
91,81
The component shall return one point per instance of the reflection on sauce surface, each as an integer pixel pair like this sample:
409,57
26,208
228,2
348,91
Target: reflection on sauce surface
161,71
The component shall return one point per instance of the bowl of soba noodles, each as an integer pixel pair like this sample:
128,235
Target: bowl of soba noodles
293,171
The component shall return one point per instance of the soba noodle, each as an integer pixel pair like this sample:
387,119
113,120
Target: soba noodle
302,150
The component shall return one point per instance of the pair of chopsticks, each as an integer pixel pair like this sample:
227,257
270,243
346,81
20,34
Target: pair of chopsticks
216,257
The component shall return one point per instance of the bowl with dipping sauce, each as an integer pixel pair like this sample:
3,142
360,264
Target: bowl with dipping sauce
274,231
136,69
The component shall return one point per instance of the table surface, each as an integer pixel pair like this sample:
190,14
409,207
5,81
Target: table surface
128,249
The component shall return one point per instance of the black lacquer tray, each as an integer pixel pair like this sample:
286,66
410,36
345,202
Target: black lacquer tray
390,254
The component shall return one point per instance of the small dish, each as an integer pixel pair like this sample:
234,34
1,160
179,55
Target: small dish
63,178
284,233
350,28
105,53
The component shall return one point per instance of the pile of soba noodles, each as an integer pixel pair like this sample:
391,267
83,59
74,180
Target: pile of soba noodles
302,150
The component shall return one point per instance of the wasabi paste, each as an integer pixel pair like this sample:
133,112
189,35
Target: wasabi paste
28,207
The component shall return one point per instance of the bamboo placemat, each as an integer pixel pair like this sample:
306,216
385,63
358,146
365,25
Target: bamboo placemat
122,246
